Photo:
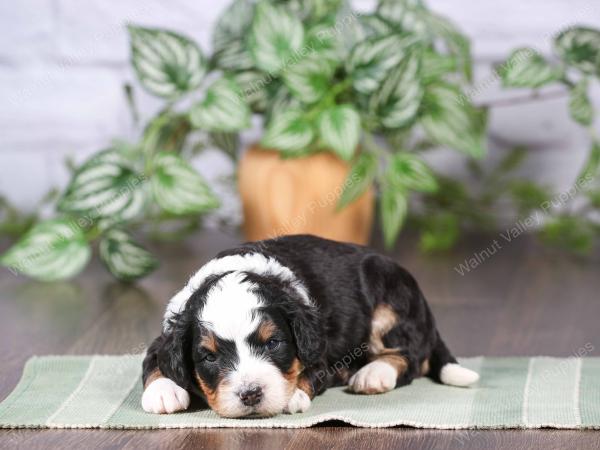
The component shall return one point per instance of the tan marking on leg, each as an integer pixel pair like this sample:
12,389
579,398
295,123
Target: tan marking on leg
292,376
154,375
397,361
305,385
425,367
384,319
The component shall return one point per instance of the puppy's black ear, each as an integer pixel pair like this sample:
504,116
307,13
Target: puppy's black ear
174,356
310,343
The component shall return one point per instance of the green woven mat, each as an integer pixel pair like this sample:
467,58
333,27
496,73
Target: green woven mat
105,391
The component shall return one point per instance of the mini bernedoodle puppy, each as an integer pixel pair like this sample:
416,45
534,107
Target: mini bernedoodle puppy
263,328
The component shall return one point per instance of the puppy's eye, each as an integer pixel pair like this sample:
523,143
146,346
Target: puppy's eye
210,357
272,344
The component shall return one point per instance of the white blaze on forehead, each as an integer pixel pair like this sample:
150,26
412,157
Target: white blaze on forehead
252,262
229,308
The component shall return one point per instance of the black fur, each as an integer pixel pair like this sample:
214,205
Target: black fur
346,282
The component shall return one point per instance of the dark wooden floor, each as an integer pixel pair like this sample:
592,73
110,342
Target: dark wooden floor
525,300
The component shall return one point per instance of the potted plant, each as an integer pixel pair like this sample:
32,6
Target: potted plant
344,96
348,101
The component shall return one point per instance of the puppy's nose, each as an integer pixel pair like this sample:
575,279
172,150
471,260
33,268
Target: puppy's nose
251,396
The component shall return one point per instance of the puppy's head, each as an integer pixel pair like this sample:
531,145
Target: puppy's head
241,343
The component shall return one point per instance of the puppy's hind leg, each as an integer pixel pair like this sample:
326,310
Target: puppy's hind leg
387,365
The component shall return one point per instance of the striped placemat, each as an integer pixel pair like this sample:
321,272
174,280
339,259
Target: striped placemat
105,391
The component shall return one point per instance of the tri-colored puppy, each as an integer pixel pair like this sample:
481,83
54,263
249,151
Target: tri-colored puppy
263,328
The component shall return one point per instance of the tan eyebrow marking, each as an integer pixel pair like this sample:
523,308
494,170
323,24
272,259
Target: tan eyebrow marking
209,342
266,330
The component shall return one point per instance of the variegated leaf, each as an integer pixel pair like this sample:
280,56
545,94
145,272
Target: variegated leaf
527,68
233,24
222,109
580,105
309,79
397,101
51,250
167,64
281,101
408,15
449,119
361,177
339,130
228,142
457,44
408,171
393,207
435,65
288,131
234,57
254,89
123,257
276,36
580,47
166,132
178,188
105,186
371,60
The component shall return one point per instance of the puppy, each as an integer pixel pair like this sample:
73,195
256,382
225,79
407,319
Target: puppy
263,328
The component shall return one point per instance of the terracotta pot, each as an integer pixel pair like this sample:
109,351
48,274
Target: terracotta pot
294,196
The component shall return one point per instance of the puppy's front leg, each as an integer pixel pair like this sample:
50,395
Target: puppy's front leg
161,395
310,383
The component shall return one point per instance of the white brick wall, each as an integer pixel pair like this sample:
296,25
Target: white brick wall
63,64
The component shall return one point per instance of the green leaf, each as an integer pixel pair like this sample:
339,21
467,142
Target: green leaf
455,41
372,59
123,257
580,47
233,24
407,15
393,208
309,79
527,196
440,232
528,69
105,186
288,131
450,120
373,25
253,89
222,109
276,37
569,232
590,169
178,188
51,250
228,142
166,132
406,171
234,57
361,177
322,39
167,64
339,129
580,105
397,101
435,65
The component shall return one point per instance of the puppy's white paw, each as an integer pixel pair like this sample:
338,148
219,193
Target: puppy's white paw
374,378
164,396
299,402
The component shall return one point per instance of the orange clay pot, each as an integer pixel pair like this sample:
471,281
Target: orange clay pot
294,196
